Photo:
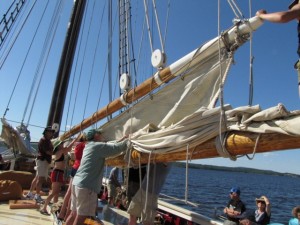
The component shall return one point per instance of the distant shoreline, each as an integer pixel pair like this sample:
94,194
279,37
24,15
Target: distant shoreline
234,169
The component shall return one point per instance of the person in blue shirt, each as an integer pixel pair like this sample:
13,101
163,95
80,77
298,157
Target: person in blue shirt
88,178
296,214
113,185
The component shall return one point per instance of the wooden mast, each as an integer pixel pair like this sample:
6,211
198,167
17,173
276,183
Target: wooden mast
237,143
65,66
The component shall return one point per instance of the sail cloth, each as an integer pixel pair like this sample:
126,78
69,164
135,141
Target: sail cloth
197,86
181,115
17,139
204,125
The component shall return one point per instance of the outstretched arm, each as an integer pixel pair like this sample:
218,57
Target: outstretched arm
280,17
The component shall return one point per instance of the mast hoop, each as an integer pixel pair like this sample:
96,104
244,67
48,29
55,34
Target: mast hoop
122,99
157,79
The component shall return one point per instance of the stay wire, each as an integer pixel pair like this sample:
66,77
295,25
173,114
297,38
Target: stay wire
25,60
158,26
148,25
251,79
17,35
14,88
44,57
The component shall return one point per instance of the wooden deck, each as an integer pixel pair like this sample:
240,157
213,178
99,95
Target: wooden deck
22,216
32,216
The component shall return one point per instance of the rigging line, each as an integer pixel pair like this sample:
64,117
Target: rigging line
132,51
80,74
41,58
85,51
251,82
105,70
17,35
221,94
167,22
148,26
9,22
13,28
158,26
44,57
19,75
127,29
78,49
140,50
32,125
72,85
186,174
235,8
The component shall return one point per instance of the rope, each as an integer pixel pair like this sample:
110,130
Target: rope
235,9
16,36
158,27
251,62
186,173
255,148
167,21
148,25
1,63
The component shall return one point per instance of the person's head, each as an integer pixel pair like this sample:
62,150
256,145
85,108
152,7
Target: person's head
57,144
48,132
296,212
94,135
295,2
235,192
261,203
82,137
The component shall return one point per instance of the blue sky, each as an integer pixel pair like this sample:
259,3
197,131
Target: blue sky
191,23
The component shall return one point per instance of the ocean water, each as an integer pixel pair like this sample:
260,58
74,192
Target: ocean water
210,190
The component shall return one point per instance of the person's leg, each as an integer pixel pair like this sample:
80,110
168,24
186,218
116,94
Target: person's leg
70,219
39,183
30,195
55,192
42,175
132,220
64,208
86,204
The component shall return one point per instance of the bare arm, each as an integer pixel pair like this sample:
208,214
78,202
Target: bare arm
280,17
268,205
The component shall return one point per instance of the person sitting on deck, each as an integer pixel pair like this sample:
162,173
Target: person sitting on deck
234,208
296,214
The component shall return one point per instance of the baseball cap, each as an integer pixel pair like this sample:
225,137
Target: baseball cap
91,133
235,190
49,128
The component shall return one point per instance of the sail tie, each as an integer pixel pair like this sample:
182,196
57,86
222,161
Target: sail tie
221,148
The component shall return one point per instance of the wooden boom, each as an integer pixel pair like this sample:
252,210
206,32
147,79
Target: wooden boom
237,143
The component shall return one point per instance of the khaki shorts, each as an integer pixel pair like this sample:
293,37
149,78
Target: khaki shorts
83,201
42,168
137,206
112,190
